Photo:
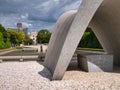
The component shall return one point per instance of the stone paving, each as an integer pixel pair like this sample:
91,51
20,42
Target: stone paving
32,75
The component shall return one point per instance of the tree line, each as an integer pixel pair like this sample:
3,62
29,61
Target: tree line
89,40
10,37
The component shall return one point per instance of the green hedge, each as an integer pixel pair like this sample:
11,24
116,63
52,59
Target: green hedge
19,47
89,40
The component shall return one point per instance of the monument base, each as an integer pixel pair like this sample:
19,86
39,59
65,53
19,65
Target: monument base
95,63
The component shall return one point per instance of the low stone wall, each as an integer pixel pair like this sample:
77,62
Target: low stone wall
20,58
95,63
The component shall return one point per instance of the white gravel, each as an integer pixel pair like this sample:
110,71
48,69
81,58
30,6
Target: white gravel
34,76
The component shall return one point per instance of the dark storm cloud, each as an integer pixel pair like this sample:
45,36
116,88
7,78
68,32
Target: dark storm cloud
34,14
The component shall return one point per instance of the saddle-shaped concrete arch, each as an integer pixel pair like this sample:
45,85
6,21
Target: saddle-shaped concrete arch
70,28
106,26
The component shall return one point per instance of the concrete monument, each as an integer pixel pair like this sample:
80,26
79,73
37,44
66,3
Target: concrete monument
103,16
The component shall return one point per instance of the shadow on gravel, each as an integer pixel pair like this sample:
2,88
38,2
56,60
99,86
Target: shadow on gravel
73,66
45,72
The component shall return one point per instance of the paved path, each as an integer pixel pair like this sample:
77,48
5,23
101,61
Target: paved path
2,53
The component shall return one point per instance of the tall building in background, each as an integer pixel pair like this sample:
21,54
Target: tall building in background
25,30
19,26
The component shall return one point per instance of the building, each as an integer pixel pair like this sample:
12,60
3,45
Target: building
25,30
19,25
33,36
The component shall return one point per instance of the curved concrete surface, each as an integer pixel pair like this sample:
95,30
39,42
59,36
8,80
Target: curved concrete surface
57,41
103,16
106,25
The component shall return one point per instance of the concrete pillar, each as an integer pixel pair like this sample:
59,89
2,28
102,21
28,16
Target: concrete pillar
95,62
71,26
66,36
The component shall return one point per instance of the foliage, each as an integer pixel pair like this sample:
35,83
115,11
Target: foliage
3,44
43,36
19,47
3,31
7,44
10,37
13,36
28,41
1,41
89,40
21,36
4,41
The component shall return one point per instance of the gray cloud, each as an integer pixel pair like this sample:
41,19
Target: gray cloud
34,14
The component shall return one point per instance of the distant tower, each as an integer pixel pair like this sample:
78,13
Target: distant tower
19,26
25,30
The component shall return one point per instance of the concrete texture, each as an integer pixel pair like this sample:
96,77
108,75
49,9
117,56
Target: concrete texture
66,36
95,63
106,26
57,41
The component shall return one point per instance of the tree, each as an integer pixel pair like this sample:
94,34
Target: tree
2,44
4,40
89,40
43,36
28,41
13,36
3,31
7,44
21,36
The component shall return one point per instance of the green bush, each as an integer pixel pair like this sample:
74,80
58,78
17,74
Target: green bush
89,40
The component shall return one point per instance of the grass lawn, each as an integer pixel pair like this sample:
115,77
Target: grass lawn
91,49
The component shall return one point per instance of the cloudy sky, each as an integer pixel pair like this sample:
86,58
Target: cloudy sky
34,14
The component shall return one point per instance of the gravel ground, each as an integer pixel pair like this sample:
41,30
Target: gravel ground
34,76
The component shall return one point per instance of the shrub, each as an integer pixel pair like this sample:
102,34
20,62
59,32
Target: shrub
19,47
89,40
